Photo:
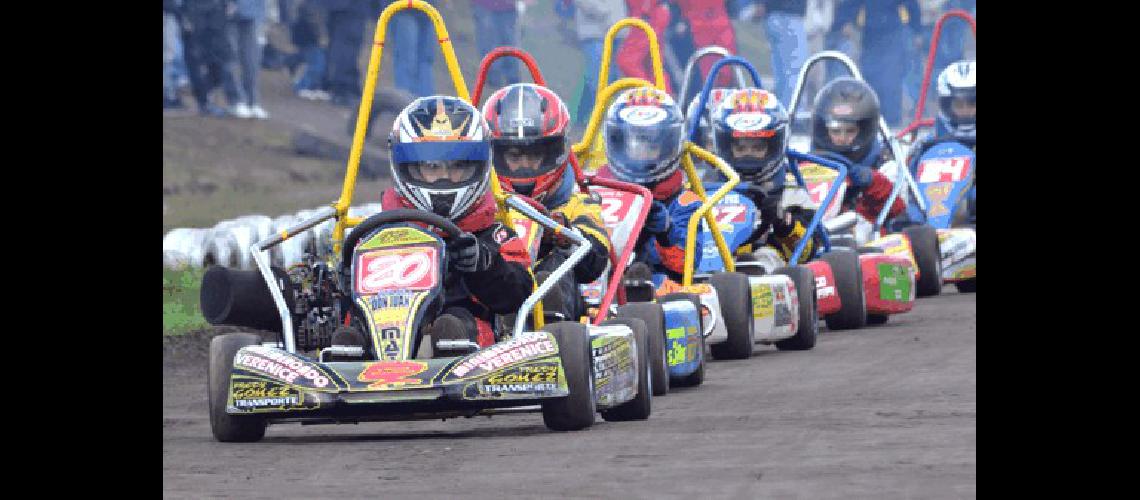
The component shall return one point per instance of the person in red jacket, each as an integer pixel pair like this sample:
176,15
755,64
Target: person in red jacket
709,24
441,163
633,55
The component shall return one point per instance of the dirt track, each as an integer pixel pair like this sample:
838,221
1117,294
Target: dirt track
885,412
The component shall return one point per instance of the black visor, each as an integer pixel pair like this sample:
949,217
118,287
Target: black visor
528,158
442,174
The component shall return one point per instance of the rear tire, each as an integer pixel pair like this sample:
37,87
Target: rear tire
877,319
848,272
924,244
229,428
654,319
968,286
575,411
735,296
640,406
805,336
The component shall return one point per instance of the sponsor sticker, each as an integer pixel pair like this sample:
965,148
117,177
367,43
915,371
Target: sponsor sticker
642,115
260,394
280,366
396,236
748,121
392,374
894,282
761,301
504,354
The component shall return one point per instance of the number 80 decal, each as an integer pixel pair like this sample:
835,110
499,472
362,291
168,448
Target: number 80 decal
409,268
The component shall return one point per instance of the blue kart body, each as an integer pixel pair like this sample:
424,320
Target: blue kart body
945,179
684,348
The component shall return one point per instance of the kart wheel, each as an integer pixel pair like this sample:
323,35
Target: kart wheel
735,297
968,286
804,338
654,319
924,243
848,274
640,406
698,376
877,319
229,428
576,411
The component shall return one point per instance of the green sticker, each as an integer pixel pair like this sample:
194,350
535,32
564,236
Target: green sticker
894,283
675,333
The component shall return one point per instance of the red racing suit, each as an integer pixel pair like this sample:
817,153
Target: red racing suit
503,287
633,56
710,25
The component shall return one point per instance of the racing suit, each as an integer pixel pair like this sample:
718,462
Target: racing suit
787,228
581,211
477,296
664,251
709,23
868,189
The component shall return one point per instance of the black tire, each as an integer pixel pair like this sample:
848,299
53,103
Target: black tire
640,406
229,428
804,338
968,286
575,411
848,273
735,297
698,376
654,318
877,319
924,243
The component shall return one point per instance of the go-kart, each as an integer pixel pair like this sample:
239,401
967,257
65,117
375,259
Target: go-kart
679,355
942,173
891,285
835,275
724,299
384,281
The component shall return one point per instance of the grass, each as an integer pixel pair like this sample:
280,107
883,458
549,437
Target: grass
180,289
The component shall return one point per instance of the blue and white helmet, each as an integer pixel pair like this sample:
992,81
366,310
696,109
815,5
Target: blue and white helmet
441,155
958,82
644,135
752,120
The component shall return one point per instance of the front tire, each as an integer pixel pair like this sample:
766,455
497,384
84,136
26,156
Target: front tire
735,296
575,411
229,428
848,272
928,256
805,336
654,319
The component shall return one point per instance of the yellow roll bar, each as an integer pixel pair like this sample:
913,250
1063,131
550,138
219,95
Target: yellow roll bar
608,49
705,209
591,151
365,111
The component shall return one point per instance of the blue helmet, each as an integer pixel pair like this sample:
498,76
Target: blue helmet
644,132
750,131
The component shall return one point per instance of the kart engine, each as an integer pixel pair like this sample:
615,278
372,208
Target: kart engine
317,303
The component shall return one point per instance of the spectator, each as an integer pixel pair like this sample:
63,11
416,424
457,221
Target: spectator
246,29
633,56
886,43
345,20
708,22
413,33
592,19
787,41
305,33
171,56
209,56
495,26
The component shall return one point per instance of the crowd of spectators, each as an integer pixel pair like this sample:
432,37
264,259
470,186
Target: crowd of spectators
209,44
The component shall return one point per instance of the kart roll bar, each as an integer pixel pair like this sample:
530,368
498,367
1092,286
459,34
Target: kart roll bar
797,157
918,120
608,49
903,175
683,97
499,52
532,302
707,88
591,150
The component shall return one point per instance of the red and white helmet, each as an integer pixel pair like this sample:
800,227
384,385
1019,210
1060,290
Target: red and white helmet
440,155
528,125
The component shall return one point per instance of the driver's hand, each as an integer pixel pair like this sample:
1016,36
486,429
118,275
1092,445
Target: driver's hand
658,220
467,254
559,240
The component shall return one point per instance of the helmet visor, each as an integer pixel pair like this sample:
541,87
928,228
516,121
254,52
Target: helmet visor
643,149
528,158
441,164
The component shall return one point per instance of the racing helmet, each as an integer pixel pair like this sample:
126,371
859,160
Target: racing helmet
704,129
747,121
958,82
644,136
842,104
528,120
440,155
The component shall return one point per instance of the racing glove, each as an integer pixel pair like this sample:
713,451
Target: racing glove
859,176
559,240
467,254
658,220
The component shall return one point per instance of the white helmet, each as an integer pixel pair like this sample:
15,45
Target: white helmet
441,155
958,82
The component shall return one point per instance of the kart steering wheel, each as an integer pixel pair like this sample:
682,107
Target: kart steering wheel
396,215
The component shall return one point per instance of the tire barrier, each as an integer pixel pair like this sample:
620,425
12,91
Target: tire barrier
227,243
